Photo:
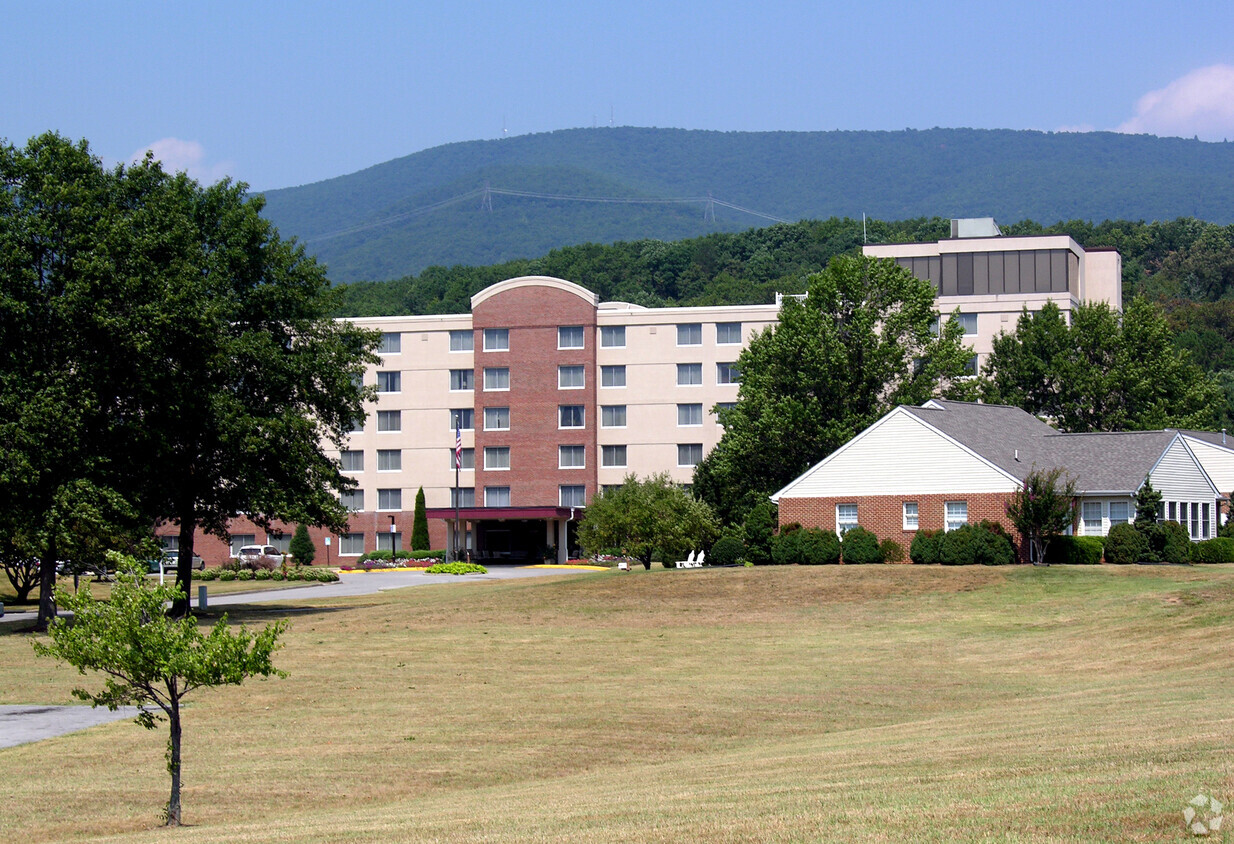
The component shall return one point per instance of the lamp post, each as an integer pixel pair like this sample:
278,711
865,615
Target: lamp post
393,541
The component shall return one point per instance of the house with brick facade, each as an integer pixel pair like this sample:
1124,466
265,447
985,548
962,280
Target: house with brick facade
946,463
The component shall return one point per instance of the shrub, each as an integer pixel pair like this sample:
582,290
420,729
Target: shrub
926,548
1176,543
1125,545
786,546
860,547
227,574
263,574
892,551
301,547
207,574
456,568
727,551
759,533
1074,551
245,574
818,548
990,545
1219,550
1154,541
955,547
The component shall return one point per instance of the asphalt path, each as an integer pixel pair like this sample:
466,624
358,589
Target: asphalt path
22,724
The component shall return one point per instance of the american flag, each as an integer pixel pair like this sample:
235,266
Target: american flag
458,447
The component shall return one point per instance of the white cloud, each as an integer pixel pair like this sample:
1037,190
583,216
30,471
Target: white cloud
1200,103
190,156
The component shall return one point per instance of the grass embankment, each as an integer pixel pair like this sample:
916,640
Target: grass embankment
882,703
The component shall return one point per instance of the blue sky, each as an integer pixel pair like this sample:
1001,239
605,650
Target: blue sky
283,93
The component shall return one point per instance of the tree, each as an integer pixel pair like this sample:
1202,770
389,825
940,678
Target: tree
860,344
419,524
149,658
302,549
1042,509
1147,504
641,517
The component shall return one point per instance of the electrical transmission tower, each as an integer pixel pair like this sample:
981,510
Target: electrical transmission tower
486,201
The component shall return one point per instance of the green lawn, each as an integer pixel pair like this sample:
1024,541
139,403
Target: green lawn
882,703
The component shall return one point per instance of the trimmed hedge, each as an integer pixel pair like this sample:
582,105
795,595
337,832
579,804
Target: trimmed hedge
304,573
1176,544
1125,545
976,545
926,548
456,568
1219,550
1074,551
727,551
805,547
892,551
860,547
383,556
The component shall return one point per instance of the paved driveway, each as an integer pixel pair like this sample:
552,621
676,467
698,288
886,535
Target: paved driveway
22,724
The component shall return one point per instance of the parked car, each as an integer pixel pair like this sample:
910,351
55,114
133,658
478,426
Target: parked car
171,561
253,553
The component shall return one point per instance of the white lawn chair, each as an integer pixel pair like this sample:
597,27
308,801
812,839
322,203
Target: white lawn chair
702,555
687,563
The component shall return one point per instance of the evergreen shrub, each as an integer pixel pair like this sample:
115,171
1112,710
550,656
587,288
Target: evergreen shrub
727,551
892,551
818,548
860,547
1219,550
1125,545
926,548
1074,551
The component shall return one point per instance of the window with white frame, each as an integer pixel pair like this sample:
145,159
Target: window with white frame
1090,512
497,496
497,458
689,415
613,336
689,374
728,334
389,460
1204,520
1119,511
689,454
462,419
570,337
613,416
967,321
391,343
690,334
846,518
572,495
911,513
571,457
613,455
957,514
613,376
571,416
462,379
352,460
389,382
496,378
389,541
972,365
462,340
350,544
496,339
463,496
389,499
496,418
467,458
726,373
352,499
279,540
571,377
389,420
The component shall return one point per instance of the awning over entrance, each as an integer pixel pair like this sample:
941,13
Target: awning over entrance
476,514
509,534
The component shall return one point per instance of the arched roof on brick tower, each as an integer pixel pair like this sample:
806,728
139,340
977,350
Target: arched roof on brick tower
535,281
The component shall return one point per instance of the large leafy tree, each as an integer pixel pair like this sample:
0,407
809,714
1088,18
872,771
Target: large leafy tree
643,516
863,341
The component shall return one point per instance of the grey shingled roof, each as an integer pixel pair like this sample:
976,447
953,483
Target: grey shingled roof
1218,438
1109,462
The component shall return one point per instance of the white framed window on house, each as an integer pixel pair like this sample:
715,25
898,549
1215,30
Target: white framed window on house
389,499
1119,512
1090,513
387,541
463,496
613,416
497,458
462,340
496,339
496,378
462,379
391,343
571,457
572,495
497,496
689,374
846,518
389,420
957,514
689,415
690,334
571,416
689,454
350,544
613,336
389,460
968,322
353,499
496,418
352,460
462,419
726,373
570,337
728,334
389,382
613,376
911,515
467,458
613,455
571,377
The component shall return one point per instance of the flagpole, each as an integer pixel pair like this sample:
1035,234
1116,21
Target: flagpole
458,462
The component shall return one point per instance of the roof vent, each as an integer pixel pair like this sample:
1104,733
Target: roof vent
975,227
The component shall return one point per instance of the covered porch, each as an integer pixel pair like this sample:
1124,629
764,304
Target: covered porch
519,535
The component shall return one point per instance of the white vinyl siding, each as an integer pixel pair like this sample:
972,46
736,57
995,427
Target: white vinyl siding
1218,462
1179,478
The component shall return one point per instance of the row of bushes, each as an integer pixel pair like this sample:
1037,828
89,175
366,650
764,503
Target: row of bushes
401,555
795,545
304,573
456,568
985,543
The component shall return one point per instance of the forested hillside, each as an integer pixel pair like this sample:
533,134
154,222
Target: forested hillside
606,185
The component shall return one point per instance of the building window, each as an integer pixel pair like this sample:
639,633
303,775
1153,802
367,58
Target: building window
357,425
610,488
728,333
463,496
612,376
971,366
967,321
911,521
571,457
689,454
462,419
613,455
389,420
389,382
353,461
497,496
391,343
496,378
570,337
496,418
689,415
352,499
279,540
573,495
722,408
613,416
1204,520
571,416
389,499
497,457
570,378
387,541
467,457
389,460
726,373
462,340
846,518
689,374
957,514
690,334
462,379
496,339
239,540
1173,511
613,336
1118,513
1091,514
350,544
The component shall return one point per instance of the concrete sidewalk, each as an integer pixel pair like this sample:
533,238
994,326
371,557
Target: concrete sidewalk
23,724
